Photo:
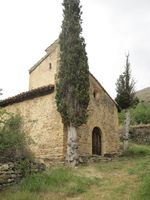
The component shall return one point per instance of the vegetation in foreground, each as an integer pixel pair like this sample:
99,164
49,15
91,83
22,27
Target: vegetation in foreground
13,140
139,114
127,177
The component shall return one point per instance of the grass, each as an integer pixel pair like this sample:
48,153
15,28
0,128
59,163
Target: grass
57,180
144,191
138,150
61,181
127,177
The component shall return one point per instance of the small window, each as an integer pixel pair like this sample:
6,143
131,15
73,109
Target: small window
96,95
50,66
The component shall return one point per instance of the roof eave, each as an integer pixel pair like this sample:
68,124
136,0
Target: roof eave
41,91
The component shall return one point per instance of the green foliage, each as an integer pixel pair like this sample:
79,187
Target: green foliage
24,165
55,183
41,182
56,180
13,140
72,89
125,88
138,150
139,114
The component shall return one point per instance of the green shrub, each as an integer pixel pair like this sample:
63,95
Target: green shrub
24,165
13,140
139,115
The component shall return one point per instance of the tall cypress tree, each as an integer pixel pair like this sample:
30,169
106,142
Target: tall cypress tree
126,97
72,89
125,88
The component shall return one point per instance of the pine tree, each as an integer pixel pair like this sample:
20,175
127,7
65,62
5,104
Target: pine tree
125,88
72,89
126,98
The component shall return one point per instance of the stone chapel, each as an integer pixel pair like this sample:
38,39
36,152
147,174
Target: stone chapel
37,107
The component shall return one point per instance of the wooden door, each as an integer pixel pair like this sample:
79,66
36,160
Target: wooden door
96,141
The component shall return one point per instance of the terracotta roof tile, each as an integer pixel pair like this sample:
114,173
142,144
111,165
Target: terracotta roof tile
41,91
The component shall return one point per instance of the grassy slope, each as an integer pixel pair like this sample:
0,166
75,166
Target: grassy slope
125,178
144,95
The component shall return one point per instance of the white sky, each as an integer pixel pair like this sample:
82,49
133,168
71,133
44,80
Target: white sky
111,28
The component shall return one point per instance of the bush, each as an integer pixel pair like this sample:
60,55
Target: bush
13,141
139,115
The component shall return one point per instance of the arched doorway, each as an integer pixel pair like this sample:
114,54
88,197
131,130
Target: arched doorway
96,141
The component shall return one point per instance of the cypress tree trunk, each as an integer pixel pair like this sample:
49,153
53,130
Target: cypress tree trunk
72,146
126,131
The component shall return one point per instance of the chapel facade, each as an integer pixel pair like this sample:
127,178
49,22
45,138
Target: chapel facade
41,120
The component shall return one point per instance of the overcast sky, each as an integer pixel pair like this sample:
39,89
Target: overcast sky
111,28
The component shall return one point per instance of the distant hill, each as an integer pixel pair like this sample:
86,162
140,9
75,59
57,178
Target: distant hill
144,95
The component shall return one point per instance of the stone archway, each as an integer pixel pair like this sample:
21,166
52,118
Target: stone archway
96,141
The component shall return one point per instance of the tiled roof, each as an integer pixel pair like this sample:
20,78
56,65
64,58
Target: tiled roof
41,91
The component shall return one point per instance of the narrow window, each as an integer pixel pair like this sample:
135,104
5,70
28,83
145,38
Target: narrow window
96,95
50,66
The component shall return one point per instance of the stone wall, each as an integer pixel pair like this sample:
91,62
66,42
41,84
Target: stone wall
103,114
9,174
43,124
140,134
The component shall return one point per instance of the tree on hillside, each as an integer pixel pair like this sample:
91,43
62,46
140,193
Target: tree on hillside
72,89
125,88
126,96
